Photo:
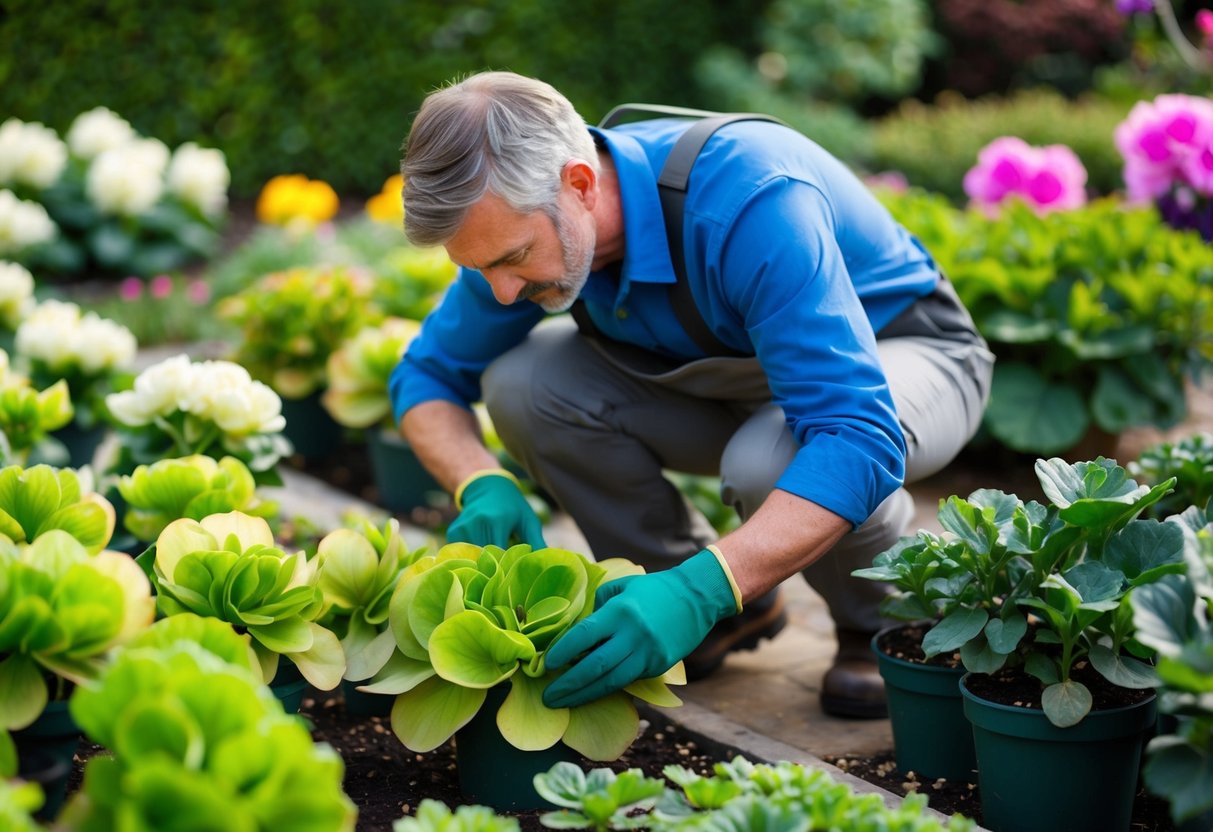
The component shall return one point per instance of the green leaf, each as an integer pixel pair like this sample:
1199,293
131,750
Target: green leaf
1124,671
1163,614
399,674
1042,667
1117,404
429,714
603,729
23,693
525,722
1005,633
347,565
979,657
1066,703
1182,773
323,663
1029,414
287,635
1145,550
954,630
111,246
563,785
472,651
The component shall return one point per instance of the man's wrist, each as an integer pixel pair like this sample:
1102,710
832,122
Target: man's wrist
487,472
728,573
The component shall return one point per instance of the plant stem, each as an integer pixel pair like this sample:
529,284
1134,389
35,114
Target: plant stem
1192,56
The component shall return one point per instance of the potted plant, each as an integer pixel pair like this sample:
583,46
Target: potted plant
20,798
62,610
28,415
1060,700
227,566
57,341
192,487
289,323
1098,315
472,626
357,574
357,397
1189,460
192,733
1175,618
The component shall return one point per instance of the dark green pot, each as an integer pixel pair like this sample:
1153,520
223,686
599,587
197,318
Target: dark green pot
289,686
1036,777
402,482
81,443
494,773
310,428
45,750
931,736
358,703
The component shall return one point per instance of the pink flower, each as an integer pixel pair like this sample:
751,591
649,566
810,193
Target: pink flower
1204,22
198,292
161,286
1047,178
130,289
1166,143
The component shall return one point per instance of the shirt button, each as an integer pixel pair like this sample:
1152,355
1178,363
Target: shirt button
621,313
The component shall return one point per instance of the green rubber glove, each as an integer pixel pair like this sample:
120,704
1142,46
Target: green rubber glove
643,626
494,511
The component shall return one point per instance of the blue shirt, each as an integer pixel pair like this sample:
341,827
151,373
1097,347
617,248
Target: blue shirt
789,258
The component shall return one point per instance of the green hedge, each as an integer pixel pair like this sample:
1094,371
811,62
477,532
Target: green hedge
329,89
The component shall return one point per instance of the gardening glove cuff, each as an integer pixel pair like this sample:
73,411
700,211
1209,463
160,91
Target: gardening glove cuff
643,626
494,511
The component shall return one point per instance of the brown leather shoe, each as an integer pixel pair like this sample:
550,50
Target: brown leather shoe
762,618
853,687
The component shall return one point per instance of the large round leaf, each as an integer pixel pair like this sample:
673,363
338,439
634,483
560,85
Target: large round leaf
429,714
1029,414
603,729
524,721
472,651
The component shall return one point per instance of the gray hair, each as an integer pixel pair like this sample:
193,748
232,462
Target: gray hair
493,132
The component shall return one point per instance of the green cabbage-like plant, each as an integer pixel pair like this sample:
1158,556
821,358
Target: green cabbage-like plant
434,816
227,566
1190,461
198,743
357,573
192,487
359,370
38,499
62,609
470,618
28,415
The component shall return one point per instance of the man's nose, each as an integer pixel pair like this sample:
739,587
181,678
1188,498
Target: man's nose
506,287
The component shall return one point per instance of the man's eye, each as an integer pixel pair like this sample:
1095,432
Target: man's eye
518,258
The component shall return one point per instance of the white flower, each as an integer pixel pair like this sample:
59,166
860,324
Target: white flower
16,294
253,408
128,180
56,334
30,154
210,379
104,345
96,131
199,176
22,224
158,391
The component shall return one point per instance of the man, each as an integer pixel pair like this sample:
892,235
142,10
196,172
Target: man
855,368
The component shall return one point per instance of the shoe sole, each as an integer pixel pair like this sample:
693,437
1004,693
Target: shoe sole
749,639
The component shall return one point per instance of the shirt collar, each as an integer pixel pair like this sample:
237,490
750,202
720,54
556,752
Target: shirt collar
646,258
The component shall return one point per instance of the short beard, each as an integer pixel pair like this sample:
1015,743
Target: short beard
576,271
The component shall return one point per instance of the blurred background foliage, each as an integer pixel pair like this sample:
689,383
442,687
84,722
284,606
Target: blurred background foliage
330,88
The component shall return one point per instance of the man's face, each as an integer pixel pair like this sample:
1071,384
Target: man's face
526,256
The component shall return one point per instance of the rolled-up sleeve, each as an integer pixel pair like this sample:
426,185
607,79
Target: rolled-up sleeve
458,340
782,271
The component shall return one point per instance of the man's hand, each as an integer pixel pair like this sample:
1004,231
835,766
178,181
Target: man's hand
493,510
642,626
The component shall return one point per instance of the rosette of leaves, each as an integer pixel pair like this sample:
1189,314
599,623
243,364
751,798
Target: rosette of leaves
469,618
39,499
62,609
359,370
28,415
357,574
1098,316
290,322
1071,565
191,487
434,816
197,742
1190,461
227,566
409,281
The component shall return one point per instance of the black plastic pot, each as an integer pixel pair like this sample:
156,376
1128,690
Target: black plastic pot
310,428
931,736
1036,777
289,686
402,482
494,773
358,703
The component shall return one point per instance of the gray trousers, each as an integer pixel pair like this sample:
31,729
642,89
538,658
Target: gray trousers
598,432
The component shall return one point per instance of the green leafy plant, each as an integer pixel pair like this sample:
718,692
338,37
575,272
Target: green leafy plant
357,573
64,608
1190,461
197,742
1098,316
178,408
409,281
227,566
358,373
39,499
469,618
290,322
434,816
28,415
737,795
192,487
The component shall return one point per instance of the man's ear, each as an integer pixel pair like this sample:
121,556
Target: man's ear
582,180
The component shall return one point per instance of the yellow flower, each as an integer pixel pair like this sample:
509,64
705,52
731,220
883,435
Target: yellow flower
386,206
293,198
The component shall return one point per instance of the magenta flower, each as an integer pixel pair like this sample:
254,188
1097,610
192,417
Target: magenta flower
198,292
1131,7
1166,143
161,286
1046,178
1204,22
130,289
